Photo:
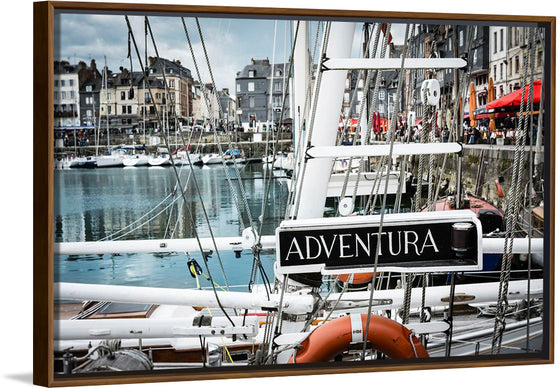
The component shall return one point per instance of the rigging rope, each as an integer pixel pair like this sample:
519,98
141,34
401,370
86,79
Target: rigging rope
391,135
514,191
173,163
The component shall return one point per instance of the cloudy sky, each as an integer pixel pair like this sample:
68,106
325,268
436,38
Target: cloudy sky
231,43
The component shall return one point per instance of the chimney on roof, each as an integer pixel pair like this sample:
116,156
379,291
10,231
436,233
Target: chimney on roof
252,61
151,61
266,62
225,91
93,65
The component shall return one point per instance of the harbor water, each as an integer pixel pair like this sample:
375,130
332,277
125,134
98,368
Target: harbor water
145,203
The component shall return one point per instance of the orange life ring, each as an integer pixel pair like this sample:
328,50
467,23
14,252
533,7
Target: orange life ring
499,188
358,279
386,335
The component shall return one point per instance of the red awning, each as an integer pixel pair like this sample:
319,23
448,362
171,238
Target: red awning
513,99
418,121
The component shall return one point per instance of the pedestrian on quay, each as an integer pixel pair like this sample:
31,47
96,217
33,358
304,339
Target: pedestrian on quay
445,134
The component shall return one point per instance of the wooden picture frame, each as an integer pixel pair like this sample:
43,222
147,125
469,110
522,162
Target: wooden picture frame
43,200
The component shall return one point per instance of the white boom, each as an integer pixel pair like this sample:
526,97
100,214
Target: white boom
489,245
393,63
149,328
295,304
383,150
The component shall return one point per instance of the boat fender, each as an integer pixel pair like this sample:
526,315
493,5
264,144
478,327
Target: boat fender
499,188
334,337
356,278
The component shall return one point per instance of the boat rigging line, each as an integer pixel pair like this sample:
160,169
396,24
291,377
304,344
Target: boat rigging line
234,194
391,134
195,181
514,194
204,256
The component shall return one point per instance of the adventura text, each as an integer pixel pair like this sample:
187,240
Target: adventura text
355,245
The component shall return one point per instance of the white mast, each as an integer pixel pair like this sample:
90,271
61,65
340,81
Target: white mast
106,109
301,76
270,114
317,173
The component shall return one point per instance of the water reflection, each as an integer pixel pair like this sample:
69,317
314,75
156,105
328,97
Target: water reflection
144,203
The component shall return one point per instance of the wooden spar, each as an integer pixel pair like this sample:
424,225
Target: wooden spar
393,63
150,328
295,304
383,150
489,246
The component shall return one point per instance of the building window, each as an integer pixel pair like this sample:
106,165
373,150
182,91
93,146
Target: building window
108,97
252,73
172,84
56,95
251,102
278,73
495,70
55,82
62,83
238,87
501,71
517,64
108,110
495,42
381,95
461,41
63,95
251,87
502,39
277,87
89,100
129,109
71,82
88,113
72,94
123,95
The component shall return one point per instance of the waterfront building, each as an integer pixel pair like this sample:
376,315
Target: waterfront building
66,95
120,104
227,104
509,46
206,109
178,99
90,80
259,92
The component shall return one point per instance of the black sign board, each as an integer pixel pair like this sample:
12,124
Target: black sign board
423,242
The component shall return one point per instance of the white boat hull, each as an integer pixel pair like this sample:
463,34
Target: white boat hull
135,160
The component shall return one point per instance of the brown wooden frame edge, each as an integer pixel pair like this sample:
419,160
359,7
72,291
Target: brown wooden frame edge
43,234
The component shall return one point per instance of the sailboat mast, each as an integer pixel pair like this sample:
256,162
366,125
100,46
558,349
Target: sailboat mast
271,88
318,170
106,112
301,68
